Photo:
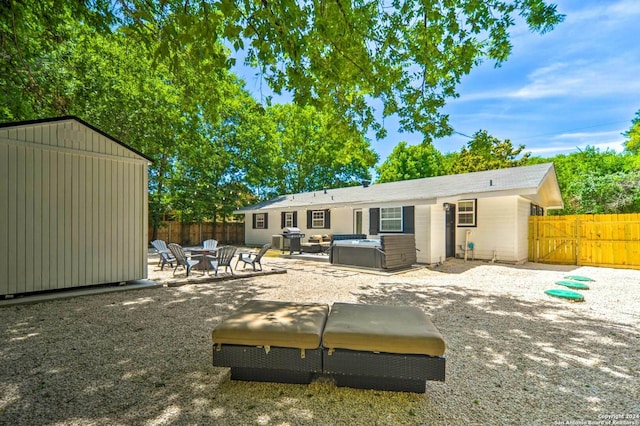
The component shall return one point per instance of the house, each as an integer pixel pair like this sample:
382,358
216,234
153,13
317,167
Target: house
73,207
487,211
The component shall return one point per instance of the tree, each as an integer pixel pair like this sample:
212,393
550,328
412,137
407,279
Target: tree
335,56
632,144
293,149
612,193
595,181
411,162
485,152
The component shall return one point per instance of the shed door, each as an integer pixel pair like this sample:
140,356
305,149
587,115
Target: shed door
450,231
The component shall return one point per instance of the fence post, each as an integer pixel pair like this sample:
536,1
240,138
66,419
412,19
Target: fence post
577,233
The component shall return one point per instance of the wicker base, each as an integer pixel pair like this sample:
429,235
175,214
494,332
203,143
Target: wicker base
384,371
284,365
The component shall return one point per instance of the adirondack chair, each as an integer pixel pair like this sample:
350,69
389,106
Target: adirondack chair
254,259
181,258
164,252
224,258
209,244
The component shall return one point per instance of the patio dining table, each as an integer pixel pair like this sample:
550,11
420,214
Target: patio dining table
204,256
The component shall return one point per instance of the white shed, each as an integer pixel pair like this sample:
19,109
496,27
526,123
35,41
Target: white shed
73,207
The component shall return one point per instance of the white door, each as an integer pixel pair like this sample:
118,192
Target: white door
357,221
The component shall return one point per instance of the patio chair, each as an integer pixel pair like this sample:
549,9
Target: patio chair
164,252
224,257
254,259
210,244
181,258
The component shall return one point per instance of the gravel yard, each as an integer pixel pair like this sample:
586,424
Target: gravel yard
514,354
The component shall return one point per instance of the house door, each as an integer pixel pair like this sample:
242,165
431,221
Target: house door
450,231
357,221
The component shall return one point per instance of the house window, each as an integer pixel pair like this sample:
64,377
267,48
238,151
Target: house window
467,213
261,220
288,220
536,210
317,219
391,219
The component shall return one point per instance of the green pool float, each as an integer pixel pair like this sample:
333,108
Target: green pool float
578,278
573,284
565,294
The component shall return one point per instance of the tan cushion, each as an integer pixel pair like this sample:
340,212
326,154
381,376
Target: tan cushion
270,323
382,328
315,238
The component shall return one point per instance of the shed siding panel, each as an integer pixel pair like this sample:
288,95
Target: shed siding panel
38,251
69,219
29,243
20,227
67,277
4,214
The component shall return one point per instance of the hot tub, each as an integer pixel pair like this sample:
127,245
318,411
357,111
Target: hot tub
389,252
364,253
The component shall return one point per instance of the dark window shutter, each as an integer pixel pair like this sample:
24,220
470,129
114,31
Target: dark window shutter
253,224
309,219
327,219
266,221
282,216
374,221
295,219
408,219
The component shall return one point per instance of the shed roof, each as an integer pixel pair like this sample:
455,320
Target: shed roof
537,183
79,120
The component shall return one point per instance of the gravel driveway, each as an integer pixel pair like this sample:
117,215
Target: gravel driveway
514,354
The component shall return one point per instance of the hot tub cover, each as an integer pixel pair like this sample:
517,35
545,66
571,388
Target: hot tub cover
382,328
358,243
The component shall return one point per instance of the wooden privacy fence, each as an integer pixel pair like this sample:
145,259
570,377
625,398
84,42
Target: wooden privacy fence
610,240
191,234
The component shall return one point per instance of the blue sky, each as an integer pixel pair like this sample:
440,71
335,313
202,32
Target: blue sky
575,86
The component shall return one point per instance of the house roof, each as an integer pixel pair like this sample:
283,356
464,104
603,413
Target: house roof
79,120
537,183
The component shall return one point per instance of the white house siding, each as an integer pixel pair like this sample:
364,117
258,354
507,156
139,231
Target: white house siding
341,221
522,229
74,208
422,233
496,232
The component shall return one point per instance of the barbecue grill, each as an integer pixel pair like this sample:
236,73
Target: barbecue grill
294,236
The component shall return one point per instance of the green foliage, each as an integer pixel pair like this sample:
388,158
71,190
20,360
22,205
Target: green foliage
485,152
612,193
408,54
411,162
591,180
291,149
632,144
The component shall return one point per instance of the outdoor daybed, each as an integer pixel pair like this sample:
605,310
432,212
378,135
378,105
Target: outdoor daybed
382,347
271,341
363,346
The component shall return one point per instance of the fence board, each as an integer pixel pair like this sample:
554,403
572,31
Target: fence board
611,240
192,234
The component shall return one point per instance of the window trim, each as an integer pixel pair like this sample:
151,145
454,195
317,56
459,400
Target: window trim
394,219
315,219
261,219
473,213
289,220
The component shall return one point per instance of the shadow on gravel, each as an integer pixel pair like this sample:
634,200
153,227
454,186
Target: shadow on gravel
517,351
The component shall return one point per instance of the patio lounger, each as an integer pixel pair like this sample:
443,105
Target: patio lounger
382,347
271,341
